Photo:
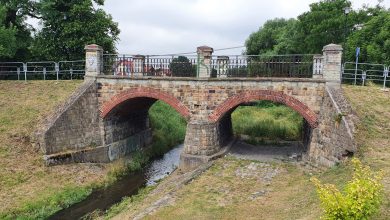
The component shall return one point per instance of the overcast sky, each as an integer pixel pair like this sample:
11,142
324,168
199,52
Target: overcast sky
176,26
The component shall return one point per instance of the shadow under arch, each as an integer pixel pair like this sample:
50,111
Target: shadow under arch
144,92
126,122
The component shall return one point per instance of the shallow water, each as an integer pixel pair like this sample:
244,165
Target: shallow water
129,185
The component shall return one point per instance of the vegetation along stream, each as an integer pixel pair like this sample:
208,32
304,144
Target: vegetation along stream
103,199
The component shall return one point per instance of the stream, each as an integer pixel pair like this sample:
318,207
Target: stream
129,185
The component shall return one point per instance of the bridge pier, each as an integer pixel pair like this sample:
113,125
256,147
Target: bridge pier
205,141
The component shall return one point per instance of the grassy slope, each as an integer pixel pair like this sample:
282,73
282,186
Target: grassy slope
28,189
292,196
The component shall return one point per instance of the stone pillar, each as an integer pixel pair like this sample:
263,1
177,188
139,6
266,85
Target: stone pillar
93,61
332,54
204,61
138,65
223,62
201,142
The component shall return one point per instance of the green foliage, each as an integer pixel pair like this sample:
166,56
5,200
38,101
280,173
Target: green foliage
43,207
373,39
20,38
361,198
323,24
7,37
119,207
168,131
181,66
169,128
70,25
271,37
267,120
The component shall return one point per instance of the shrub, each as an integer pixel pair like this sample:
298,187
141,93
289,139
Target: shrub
361,197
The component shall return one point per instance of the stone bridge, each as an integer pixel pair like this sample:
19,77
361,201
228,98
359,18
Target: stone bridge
107,117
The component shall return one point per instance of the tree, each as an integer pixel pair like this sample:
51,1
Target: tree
373,39
7,38
69,25
271,38
323,24
14,15
181,66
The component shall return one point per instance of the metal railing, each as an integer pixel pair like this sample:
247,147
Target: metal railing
152,65
45,70
361,73
297,65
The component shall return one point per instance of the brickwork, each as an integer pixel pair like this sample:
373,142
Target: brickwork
331,141
108,116
75,125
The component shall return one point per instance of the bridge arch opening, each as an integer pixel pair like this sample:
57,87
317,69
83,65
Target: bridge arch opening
142,118
279,123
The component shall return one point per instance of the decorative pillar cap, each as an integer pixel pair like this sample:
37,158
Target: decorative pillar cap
332,47
204,49
93,47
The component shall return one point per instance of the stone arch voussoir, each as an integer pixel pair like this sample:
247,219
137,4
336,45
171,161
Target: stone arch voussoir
275,96
147,92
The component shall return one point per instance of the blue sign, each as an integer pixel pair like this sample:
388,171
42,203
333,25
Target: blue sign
357,51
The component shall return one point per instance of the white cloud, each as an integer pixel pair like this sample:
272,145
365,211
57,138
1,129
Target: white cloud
174,26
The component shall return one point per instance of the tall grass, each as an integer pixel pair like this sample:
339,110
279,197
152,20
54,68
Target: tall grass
267,120
169,127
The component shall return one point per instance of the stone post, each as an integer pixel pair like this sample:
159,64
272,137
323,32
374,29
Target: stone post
139,64
332,55
93,61
204,61
201,142
223,62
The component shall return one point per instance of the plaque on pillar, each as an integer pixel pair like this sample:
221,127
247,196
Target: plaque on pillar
93,60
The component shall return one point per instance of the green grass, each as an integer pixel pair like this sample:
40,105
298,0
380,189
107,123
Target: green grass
169,127
29,190
267,120
44,206
119,207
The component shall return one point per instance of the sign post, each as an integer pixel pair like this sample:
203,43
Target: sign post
356,62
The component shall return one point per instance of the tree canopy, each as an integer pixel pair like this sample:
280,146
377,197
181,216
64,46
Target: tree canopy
66,26
325,23
7,37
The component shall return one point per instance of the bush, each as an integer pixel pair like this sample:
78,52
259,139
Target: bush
361,197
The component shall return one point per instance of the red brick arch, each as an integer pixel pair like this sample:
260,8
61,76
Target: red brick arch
270,95
148,92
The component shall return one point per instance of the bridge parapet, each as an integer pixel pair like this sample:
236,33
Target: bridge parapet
205,65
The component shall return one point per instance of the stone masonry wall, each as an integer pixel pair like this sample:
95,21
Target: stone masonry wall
206,102
198,98
332,140
75,125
